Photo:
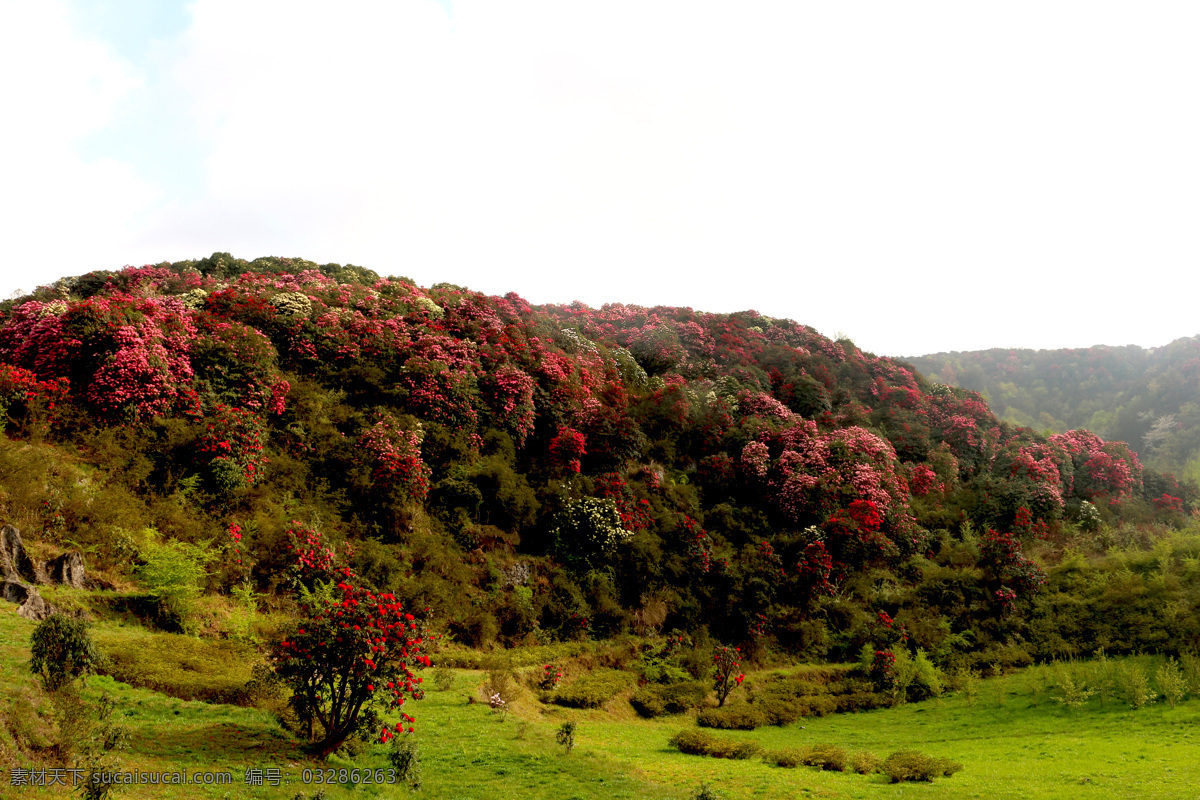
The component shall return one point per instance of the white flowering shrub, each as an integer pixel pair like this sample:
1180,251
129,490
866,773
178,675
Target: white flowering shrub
432,309
292,304
588,531
194,299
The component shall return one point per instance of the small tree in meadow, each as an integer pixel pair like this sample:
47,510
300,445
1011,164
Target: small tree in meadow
355,651
726,675
62,650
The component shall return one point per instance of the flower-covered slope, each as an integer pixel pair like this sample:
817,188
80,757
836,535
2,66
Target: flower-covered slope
583,460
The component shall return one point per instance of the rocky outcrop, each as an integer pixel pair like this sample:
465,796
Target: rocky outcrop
19,573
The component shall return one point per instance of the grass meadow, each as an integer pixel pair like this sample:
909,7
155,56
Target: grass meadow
1011,735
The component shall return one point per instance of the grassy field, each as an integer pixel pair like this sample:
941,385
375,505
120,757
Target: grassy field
1012,739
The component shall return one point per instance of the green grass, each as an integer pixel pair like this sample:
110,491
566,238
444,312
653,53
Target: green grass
1014,741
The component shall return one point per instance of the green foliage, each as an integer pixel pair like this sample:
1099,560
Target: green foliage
62,651
594,688
702,743
865,762
1134,685
172,574
911,765
825,756
186,667
1074,694
738,716
1171,682
675,698
405,758
565,736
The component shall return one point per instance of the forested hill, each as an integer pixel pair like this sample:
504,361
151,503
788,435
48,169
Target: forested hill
536,473
1147,397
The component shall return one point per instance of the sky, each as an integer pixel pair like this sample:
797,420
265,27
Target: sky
917,176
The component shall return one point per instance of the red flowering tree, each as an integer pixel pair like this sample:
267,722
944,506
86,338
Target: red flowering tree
727,662
353,656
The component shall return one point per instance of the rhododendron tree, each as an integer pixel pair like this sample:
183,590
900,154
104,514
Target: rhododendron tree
231,447
392,453
354,654
1008,566
1100,468
727,675
588,531
566,450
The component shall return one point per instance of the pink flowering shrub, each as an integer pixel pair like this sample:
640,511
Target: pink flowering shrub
1108,469
392,453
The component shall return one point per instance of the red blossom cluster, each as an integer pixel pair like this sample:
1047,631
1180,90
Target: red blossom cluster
234,436
393,454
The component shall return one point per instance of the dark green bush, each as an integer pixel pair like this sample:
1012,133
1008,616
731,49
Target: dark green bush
594,689
911,765
656,700
741,717
62,651
861,701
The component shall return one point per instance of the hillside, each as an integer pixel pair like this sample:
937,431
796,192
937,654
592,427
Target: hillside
535,474
1147,397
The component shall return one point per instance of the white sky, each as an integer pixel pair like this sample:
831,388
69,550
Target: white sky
921,176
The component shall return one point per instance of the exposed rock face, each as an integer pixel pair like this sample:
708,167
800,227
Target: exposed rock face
66,569
14,561
18,571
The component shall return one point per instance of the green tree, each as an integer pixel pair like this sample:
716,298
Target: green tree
62,651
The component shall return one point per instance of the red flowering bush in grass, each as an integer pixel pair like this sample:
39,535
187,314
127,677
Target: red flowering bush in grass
883,669
1008,566
726,672
355,653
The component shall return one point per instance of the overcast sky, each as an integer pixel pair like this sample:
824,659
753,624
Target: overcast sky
919,176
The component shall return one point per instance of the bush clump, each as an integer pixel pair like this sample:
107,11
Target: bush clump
790,758
62,650
826,756
656,700
702,743
864,762
594,689
740,717
911,765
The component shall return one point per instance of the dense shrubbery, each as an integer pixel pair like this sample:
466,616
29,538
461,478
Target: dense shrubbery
560,473
701,743
594,689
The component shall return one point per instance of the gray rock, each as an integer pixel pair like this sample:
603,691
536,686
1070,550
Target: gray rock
18,571
15,563
66,569
33,606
